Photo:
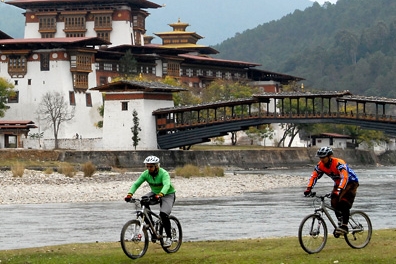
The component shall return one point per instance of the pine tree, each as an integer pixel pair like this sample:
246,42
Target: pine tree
135,129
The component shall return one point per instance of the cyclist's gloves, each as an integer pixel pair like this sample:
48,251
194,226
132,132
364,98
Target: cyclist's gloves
307,191
128,197
158,196
336,192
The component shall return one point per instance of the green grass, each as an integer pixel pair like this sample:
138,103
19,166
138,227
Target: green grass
249,251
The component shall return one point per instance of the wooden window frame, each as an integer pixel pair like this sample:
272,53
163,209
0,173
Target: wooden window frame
88,99
14,98
124,106
44,61
72,98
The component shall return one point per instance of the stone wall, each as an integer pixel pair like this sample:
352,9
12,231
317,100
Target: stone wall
247,159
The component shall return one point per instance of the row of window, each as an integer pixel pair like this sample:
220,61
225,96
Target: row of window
75,22
88,99
14,98
115,67
75,26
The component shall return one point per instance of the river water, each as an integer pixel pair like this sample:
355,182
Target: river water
272,213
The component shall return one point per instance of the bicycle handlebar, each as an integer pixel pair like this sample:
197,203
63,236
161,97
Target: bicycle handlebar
142,200
313,194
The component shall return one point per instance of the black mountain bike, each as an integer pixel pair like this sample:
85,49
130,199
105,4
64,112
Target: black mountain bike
312,233
137,233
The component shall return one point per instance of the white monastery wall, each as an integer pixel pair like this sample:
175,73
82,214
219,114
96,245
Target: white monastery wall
117,124
121,34
59,79
31,30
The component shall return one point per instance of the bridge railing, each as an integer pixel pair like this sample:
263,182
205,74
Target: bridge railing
165,123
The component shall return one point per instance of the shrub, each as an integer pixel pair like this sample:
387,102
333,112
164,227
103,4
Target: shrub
187,171
192,170
67,169
89,169
48,171
213,171
17,170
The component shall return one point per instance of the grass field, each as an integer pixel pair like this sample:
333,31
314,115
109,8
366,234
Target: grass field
250,251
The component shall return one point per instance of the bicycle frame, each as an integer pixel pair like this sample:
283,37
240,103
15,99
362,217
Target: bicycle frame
324,208
146,213
137,233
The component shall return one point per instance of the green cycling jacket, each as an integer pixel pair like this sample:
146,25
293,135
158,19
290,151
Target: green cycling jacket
159,184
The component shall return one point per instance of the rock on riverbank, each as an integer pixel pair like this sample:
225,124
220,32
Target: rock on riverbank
35,187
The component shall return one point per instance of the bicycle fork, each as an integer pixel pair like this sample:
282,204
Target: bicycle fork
315,227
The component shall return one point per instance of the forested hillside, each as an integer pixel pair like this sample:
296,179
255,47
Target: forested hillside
350,45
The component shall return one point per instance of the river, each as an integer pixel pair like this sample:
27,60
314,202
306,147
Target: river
272,213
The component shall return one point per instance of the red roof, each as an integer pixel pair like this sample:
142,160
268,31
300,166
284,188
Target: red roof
16,124
91,40
31,3
331,135
214,60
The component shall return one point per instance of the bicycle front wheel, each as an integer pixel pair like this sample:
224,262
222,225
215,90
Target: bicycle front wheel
312,234
134,240
176,235
359,230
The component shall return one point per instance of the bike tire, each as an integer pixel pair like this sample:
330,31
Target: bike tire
134,243
312,233
359,230
177,235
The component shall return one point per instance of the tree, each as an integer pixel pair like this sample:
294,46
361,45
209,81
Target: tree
55,111
262,132
6,91
135,129
221,90
128,65
99,124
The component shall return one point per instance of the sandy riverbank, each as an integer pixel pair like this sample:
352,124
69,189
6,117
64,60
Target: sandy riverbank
35,187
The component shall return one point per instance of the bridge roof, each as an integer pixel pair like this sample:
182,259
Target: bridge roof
368,99
205,106
295,95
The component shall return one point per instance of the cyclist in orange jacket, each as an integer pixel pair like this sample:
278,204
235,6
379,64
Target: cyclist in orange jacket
345,187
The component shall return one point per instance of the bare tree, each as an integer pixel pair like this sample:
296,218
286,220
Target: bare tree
55,111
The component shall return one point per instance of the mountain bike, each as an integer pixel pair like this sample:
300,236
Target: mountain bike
312,233
136,233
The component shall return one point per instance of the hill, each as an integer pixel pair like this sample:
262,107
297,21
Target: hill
349,45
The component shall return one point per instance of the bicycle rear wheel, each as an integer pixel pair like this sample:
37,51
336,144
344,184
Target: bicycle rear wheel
360,230
177,235
134,242
312,234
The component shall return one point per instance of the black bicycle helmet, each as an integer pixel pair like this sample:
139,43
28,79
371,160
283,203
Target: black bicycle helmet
324,152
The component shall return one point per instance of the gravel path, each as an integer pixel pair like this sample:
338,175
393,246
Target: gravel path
35,187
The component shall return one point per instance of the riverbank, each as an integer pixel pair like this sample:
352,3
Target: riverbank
35,187
246,159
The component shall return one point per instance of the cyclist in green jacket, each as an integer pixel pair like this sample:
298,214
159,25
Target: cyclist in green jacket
162,191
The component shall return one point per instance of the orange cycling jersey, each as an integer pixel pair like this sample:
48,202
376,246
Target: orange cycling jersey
337,170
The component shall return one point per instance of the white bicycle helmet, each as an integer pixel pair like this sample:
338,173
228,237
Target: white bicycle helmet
324,152
151,160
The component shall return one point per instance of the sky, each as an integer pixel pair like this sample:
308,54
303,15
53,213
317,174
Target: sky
321,2
218,20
